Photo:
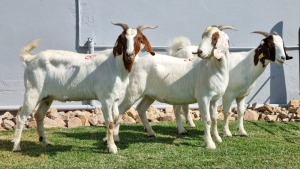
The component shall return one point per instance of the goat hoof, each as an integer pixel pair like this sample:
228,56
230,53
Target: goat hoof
243,133
183,132
48,145
16,148
227,134
116,138
113,149
218,139
211,146
192,126
151,135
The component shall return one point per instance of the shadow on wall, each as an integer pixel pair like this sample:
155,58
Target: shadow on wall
78,48
278,94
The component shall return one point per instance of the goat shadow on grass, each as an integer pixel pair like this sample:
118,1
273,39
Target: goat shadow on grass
264,128
292,135
288,135
131,134
164,134
33,149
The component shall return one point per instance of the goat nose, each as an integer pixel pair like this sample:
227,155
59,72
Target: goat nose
282,57
199,52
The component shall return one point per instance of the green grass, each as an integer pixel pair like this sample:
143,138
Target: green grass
269,145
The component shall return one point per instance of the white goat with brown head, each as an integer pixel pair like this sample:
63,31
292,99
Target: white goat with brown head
245,68
174,81
67,76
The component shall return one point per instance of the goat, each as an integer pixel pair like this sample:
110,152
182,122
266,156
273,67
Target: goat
174,81
67,76
181,47
245,68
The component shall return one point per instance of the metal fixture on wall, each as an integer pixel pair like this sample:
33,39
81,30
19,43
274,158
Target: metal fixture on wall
91,50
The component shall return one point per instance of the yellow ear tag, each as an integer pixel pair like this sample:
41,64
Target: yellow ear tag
116,43
260,56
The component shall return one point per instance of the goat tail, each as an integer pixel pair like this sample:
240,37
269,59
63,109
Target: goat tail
178,43
25,53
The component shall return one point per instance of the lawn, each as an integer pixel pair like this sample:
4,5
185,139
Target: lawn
269,145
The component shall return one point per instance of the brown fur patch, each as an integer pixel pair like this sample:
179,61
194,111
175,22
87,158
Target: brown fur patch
118,48
214,38
128,64
265,51
111,125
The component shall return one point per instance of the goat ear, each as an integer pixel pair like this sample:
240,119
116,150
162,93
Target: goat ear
218,54
118,48
148,47
221,46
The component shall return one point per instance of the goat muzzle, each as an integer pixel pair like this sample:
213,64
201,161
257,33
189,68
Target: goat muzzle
129,56
198,53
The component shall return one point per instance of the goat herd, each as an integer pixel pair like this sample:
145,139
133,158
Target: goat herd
201,74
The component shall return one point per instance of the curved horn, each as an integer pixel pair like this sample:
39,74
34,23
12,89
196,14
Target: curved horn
123,25
275,33
266,34
222,27
142,27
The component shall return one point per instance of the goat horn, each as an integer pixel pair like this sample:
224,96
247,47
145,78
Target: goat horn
222,27
123,25
142,27
266,34
275,33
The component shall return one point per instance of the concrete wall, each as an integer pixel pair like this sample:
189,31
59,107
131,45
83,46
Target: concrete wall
67,24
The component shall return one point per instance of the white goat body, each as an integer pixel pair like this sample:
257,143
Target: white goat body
181,47
69,76
177,81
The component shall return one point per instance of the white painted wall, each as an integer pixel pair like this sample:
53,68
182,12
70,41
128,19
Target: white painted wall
67,24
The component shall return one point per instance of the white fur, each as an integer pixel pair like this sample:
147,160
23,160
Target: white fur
242,77
130,34
68,76
175,81
181,47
